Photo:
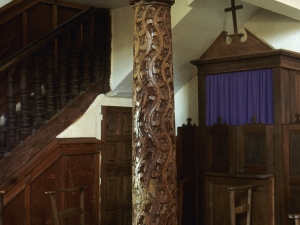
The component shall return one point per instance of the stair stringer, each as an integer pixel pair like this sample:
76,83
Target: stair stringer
13,166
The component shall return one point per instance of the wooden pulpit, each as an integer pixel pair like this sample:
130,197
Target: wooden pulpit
251,152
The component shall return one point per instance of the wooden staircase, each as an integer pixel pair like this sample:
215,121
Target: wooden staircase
44,88
46,76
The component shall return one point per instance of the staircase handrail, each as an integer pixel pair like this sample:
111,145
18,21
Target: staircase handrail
44,40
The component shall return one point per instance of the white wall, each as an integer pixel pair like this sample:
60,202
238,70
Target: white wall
186,103
89,125
122,44
277,30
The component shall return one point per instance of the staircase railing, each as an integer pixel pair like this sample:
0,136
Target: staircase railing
48,74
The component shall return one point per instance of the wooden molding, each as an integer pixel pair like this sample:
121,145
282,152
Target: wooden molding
236,46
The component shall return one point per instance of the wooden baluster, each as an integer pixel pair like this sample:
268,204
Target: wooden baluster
3,134
86,48
50,109
38,102
74,63
11,112
24,100
97,46
56,96
62,67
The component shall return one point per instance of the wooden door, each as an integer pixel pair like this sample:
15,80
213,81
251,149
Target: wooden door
116,195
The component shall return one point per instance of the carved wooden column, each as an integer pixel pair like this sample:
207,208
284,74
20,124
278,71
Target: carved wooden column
154,156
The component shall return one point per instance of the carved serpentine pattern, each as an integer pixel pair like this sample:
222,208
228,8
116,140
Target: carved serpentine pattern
154,159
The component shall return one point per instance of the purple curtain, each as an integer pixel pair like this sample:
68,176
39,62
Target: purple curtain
237,96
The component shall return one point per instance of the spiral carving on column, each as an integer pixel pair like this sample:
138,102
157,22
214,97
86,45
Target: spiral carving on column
154,159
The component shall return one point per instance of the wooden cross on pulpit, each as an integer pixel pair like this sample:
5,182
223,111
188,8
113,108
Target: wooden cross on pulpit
233,9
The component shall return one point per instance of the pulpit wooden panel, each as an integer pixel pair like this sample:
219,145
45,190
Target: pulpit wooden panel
220,149
255,149
291,159
217,198
67,163
188,187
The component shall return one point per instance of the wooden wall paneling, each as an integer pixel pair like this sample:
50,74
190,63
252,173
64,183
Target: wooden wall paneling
279,118
293,95
40,205
54,16
24,29
291,169
39,27
255,149
82,170
14,213
13,11
11,37
27,206
217,198
20,8
286,76
297,90
220,145
187,154
297,74
279,77
65,13
52,172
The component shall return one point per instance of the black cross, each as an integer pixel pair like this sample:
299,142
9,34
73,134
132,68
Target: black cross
233,8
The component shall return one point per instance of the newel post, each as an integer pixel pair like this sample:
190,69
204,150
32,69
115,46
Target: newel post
154,184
